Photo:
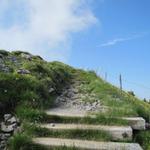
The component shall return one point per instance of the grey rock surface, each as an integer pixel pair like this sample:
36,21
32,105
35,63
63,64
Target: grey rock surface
8,127
23,71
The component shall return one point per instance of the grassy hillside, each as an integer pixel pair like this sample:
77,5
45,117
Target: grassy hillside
29,85
35,87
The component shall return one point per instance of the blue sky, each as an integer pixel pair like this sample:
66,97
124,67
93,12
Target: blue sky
110,36
119,44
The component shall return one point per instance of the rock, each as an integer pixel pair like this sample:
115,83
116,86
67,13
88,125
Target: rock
51,90
70,94
7,116
137,123
94,104
4,136
147,125
12,120
52,124
7,135
88,108
1,56
3,145
4,68
75,91
13,59
26,56
8,128
23,71
17,130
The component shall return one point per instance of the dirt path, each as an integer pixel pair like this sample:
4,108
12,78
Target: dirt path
73,102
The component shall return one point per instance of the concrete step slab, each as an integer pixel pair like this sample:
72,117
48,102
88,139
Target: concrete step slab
84,144
137,123
117,132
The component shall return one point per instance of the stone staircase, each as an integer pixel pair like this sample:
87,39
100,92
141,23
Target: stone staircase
69,105
118,133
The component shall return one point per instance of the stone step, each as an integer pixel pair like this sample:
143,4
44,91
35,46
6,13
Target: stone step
117,132
137,123
84,144
66,112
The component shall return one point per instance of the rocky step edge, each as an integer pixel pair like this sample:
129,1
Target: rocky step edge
137,123
118,133
84,144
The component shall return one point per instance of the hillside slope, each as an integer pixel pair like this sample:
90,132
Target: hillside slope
30,85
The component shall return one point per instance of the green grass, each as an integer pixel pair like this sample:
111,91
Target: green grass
143,137
119,103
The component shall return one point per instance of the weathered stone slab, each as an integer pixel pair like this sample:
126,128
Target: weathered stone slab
137,123
117,132
90,145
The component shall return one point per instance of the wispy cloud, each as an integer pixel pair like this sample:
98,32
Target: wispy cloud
43,26
120,40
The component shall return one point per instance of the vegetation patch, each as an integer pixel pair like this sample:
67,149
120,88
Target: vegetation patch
143,137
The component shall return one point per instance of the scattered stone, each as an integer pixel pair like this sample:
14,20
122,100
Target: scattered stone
26,56
88,108
23,71
8,127
4,136
4,68
13,59
51,90
17,130
7,116
1,56
11,120
3,145
147,125
52,124
72,97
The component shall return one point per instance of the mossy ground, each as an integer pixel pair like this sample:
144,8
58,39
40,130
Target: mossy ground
28,95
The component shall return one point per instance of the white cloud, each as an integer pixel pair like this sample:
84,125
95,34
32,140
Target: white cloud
120,40
43,25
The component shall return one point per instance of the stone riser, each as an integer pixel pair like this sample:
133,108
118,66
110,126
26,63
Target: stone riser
137,123
117,132
89,145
